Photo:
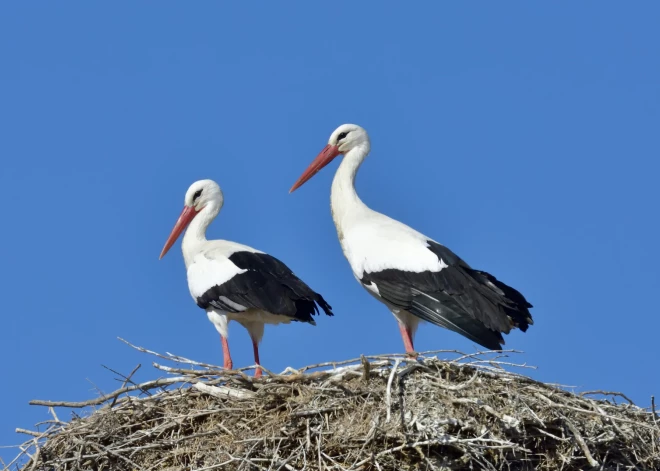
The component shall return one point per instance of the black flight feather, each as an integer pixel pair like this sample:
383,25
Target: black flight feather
470,302
268,285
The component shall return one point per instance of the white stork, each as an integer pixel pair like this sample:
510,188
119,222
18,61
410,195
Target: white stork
414,276
231,281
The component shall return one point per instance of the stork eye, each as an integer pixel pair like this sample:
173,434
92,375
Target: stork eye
342,136
197,194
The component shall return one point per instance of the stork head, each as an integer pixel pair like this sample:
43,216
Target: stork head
201,194
343,139
348,136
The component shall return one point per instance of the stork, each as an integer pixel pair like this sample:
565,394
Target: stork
234,282
417,278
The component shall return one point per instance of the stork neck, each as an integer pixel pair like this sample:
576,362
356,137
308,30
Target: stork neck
196,231
344,201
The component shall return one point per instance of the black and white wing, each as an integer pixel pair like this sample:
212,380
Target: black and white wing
408,271
239,278
455,296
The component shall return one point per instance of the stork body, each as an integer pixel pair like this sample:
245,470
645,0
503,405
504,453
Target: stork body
231,281
413,275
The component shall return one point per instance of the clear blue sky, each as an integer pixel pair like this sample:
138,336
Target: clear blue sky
524,137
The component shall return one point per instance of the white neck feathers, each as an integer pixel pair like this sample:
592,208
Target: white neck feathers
345,204
196,232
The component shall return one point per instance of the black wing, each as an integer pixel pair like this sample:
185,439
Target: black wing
471,302
268,285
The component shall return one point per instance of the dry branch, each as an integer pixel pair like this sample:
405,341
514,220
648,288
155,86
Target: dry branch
470,412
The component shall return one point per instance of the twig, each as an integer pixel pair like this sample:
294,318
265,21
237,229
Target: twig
656,441
37,455
98,446
126,380
29,432
608,393
458,387
52,412
477,402
589,412
391,356
444,440
305,413
169,356
499,365
102,399
388,394
585,449
366,368
215,466
223,392
465,356
554,437
188,371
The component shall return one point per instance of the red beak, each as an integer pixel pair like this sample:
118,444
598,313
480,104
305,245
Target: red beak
187,215
328,153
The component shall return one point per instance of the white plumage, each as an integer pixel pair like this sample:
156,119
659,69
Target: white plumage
377,243
210,265
413,275
231,281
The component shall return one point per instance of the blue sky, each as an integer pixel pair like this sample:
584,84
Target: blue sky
524,137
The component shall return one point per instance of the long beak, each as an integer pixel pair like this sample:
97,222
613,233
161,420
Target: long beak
187,215
328,153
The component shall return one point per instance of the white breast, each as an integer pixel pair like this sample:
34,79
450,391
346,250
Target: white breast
210,265
379,243
204,273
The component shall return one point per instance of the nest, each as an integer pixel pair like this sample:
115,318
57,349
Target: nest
386,412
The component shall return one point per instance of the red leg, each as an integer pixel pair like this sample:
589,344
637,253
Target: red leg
407,338
255,347
228,364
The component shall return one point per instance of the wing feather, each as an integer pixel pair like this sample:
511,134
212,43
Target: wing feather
470,302
261,281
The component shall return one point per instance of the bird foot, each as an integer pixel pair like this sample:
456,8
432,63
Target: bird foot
412,355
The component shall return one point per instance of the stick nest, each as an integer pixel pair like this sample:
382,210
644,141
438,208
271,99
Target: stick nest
387,412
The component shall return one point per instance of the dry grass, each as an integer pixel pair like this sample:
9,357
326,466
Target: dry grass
376,413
